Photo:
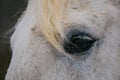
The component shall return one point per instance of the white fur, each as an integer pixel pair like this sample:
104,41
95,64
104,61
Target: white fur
34,58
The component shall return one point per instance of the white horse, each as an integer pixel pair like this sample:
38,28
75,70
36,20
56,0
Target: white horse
67,40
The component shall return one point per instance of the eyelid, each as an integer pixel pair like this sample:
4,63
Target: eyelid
84,37
76,32
88,30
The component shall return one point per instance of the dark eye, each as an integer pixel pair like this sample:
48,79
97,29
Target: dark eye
78,42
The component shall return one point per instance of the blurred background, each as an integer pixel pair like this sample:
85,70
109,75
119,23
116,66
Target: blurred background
10,10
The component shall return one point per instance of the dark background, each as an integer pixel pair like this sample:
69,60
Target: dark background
10,10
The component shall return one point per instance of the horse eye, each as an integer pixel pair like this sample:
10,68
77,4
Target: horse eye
78,43
81,43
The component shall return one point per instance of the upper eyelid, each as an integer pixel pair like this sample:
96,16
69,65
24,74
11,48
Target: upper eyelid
81,28
76,31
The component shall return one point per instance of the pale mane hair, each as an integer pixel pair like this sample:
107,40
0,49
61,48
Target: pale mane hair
51,15
48,16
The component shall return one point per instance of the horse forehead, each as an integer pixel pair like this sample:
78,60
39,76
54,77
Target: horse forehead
88,3
94,10
78,4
